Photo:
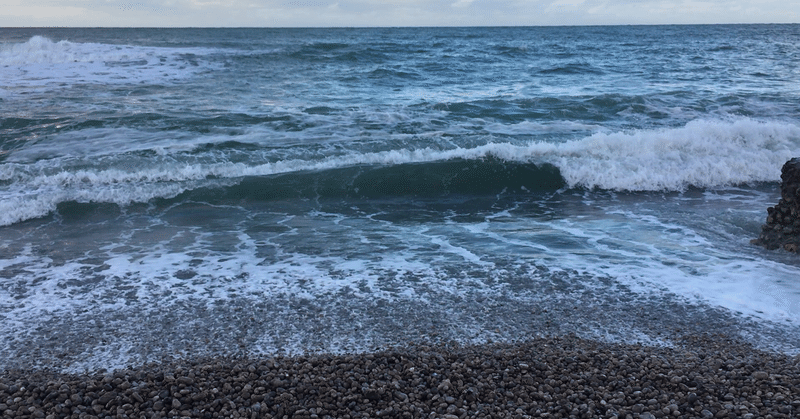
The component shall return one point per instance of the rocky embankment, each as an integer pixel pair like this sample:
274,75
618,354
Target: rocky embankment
782,229
704,377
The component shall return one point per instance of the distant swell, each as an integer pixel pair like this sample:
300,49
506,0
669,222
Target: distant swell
571,69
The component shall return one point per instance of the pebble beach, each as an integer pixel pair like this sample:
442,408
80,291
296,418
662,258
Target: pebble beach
702,376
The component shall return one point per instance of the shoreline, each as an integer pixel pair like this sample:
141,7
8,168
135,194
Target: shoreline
702,376
569,302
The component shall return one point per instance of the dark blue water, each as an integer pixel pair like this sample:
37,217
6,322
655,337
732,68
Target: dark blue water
202,191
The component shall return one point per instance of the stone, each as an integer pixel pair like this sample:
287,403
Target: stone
106,397
760,375
137,397
400,396
691,398
372,394
780,230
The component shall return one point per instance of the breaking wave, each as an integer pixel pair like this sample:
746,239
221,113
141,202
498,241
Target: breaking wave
702,154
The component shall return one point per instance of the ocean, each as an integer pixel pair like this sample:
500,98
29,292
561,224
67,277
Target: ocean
202,192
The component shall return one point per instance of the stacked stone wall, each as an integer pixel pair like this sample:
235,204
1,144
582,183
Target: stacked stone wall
782,229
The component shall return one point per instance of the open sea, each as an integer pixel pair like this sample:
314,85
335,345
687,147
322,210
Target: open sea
192,192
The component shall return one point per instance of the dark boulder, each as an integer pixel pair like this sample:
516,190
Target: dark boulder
782,229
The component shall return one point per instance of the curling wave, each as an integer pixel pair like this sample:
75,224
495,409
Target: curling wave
703,154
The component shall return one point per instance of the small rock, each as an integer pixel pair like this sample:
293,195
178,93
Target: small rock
136,396
471,395
372,394
106,397
400,396
760,375
691,398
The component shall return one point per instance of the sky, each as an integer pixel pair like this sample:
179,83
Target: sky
360,13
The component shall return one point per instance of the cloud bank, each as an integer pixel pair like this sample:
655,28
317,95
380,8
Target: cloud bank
336,13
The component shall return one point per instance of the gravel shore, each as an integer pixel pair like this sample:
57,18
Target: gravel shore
702,376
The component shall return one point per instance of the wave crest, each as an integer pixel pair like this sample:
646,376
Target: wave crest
40,61
703,154
39,49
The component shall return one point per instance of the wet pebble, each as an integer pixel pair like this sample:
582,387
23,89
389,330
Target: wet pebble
559,377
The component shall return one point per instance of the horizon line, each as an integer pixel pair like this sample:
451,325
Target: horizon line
399,26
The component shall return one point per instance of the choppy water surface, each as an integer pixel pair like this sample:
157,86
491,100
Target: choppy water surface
196,191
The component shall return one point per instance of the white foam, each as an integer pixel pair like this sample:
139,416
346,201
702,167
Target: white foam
149,276
100,143
532,128
42,62
652,255
704,154
39,50
678,246
446,247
